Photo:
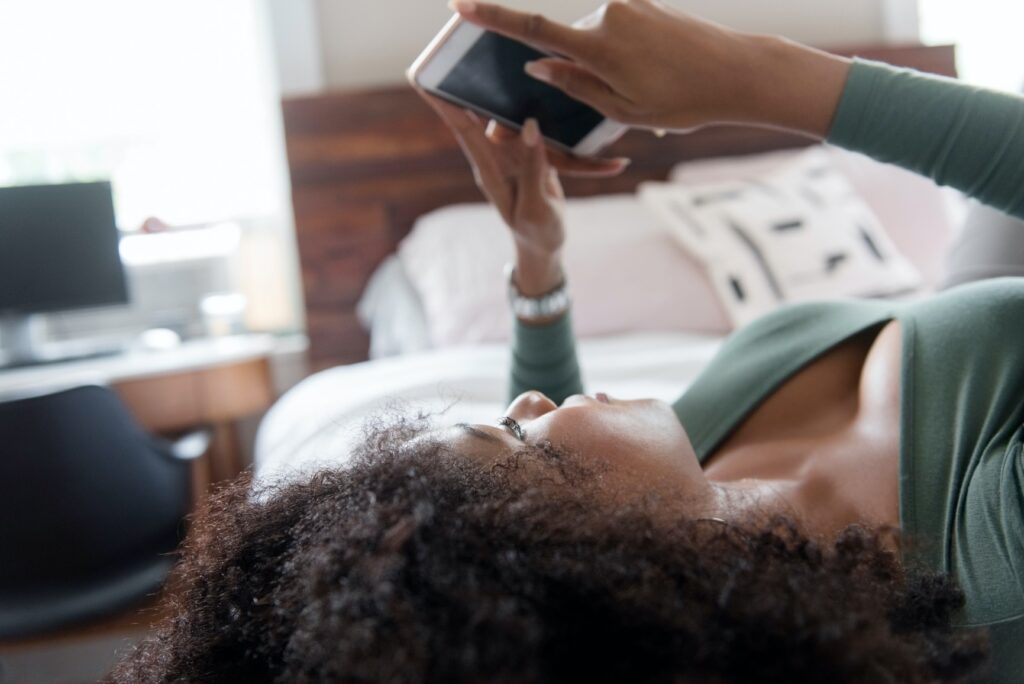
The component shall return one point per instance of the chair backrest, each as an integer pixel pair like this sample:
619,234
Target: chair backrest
85,492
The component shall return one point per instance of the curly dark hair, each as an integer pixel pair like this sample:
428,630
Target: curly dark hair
418,564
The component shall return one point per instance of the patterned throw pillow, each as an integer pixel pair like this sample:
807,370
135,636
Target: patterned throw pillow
797,233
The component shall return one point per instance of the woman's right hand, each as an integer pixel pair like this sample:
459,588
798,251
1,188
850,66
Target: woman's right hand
649,66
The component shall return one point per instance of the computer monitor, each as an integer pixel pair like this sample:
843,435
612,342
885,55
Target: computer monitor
58,251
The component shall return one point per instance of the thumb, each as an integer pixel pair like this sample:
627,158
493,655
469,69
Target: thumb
582,84
533,176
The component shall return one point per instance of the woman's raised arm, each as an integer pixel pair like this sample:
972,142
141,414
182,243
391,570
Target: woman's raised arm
650,66
969,138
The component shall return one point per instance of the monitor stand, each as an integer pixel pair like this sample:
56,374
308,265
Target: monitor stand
20,345
19,338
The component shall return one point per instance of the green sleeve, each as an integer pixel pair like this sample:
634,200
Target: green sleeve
958,135
544,358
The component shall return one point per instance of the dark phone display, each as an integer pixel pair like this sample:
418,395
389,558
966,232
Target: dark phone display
490,76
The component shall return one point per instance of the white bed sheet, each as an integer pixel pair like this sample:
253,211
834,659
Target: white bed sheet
314,425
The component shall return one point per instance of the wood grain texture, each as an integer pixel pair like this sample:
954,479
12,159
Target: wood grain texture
175,402
366,164
216,397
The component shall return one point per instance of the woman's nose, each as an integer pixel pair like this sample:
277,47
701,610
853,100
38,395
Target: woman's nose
530,405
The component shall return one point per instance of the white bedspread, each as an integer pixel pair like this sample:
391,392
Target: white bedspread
314,424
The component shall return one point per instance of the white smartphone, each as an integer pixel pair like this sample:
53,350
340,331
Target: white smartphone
483,71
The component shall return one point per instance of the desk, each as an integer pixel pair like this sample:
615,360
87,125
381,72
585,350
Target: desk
201,383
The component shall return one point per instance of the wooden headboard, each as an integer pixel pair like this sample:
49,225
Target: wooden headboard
364,165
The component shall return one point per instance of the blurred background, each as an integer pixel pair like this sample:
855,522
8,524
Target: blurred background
173,116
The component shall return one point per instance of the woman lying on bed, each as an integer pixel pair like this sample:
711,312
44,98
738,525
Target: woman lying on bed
837,498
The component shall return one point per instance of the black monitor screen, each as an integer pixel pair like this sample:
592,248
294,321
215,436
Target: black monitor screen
59,248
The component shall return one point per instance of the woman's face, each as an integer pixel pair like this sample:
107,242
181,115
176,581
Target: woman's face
636,448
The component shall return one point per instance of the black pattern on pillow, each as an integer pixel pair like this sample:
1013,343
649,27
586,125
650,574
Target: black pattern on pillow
797,233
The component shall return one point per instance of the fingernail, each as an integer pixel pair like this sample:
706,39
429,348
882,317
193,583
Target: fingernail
624,161
539,70
462,6
531,132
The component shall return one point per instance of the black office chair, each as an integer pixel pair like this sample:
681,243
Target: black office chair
91,507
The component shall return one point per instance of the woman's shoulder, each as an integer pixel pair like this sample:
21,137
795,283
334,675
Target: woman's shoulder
973,324
994,296
997,300
962,495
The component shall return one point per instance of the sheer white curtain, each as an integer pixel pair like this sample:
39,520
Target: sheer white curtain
988,34
176,102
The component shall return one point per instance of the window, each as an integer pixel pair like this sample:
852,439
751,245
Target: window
175,102
987,34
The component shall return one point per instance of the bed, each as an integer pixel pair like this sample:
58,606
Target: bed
368,167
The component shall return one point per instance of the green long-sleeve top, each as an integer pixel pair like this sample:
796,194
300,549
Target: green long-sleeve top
962,385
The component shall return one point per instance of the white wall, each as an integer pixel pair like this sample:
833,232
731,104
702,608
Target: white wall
902,20
990,52
300,59
371,42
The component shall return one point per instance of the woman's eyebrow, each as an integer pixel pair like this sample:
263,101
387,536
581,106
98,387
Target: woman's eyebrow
480,434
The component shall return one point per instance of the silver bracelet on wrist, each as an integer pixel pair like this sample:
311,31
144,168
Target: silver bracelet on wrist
548,305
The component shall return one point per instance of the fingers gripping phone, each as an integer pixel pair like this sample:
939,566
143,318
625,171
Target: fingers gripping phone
483,71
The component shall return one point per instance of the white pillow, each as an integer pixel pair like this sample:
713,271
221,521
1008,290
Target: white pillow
794,232
625,273
921,218
391,311
625,270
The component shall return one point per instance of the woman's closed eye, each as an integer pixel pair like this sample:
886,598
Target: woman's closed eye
488,435
513,427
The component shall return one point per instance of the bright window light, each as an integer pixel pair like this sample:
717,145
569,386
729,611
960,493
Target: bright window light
175,102
987,35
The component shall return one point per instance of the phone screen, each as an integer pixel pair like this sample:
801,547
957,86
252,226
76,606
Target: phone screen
490,76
